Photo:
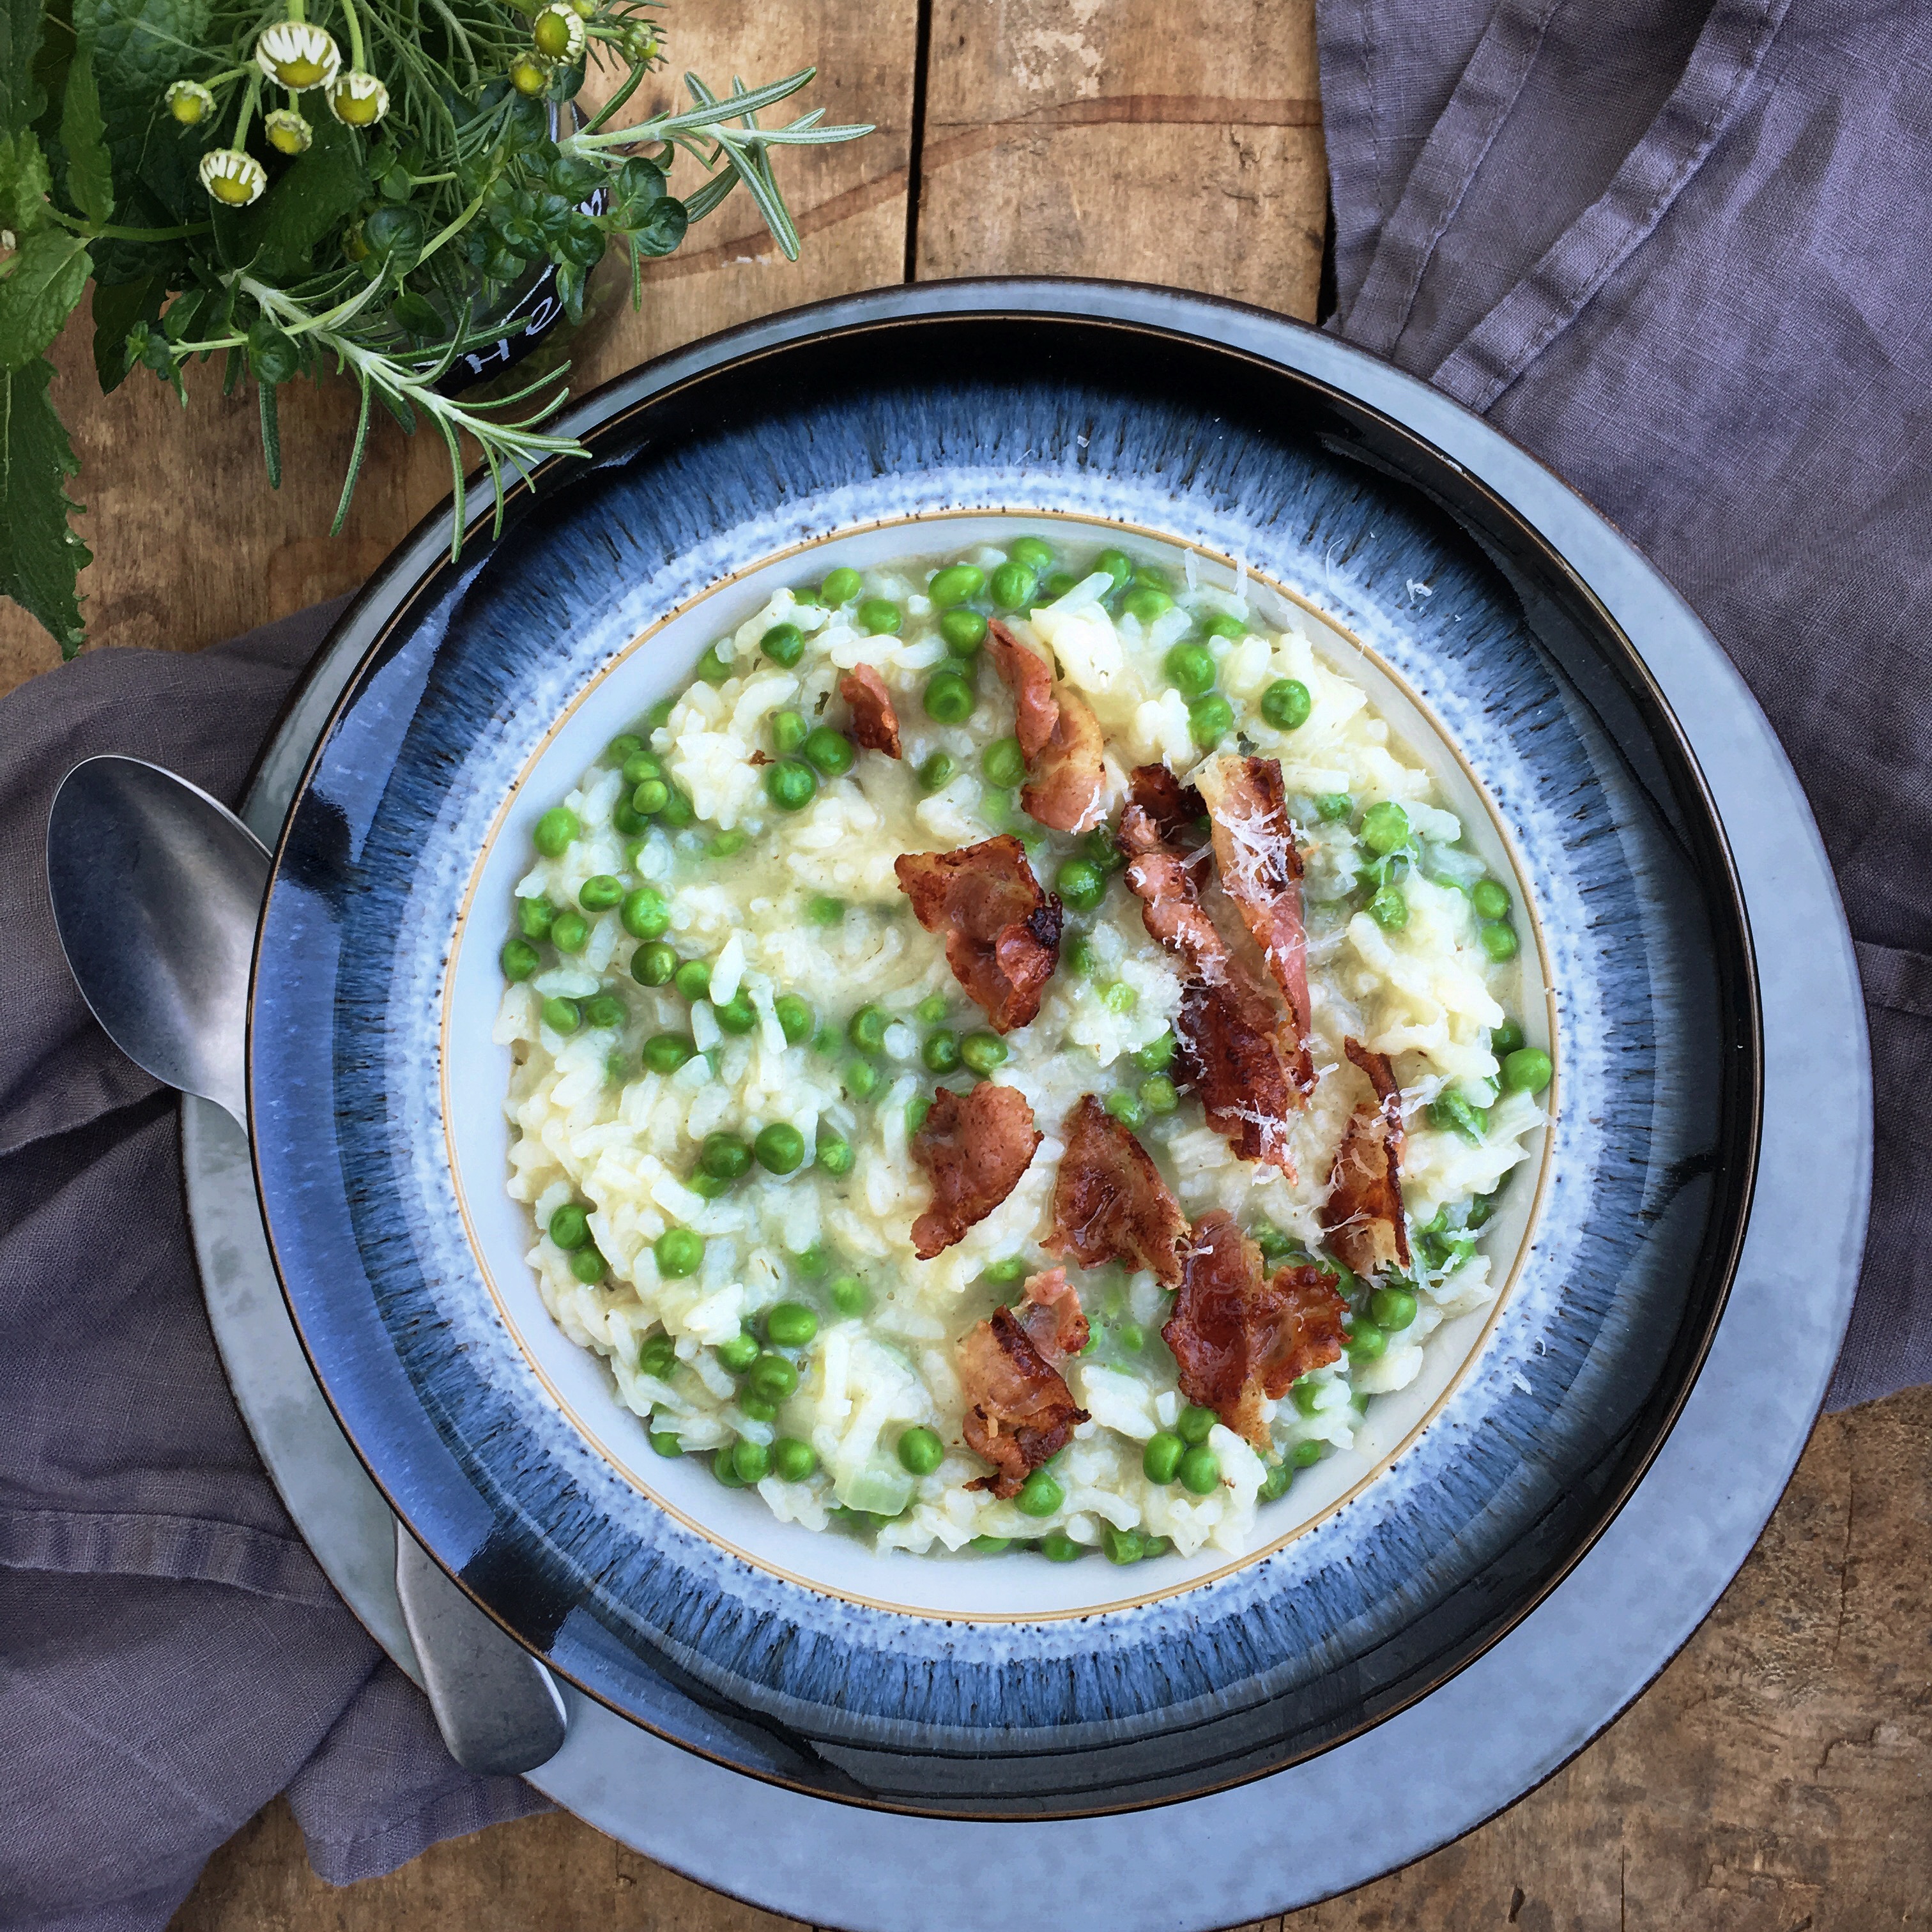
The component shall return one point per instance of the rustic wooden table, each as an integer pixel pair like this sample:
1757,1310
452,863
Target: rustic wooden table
1775,1777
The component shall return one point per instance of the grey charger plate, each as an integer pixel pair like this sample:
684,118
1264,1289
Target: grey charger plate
1512,1716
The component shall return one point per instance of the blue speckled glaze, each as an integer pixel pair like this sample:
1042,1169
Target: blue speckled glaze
1414,1574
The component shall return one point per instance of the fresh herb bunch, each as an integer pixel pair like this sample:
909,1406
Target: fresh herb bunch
310,186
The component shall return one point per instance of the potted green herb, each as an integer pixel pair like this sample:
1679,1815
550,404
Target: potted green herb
400,193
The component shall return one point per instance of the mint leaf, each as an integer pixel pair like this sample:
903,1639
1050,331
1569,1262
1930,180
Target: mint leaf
24,183
40,556
139,45
84,134
117,306
47,275
305,206
20,97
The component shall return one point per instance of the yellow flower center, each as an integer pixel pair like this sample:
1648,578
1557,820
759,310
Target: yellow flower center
237,193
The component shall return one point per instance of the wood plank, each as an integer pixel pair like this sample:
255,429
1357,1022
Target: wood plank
191,544
1129,140
1773,1777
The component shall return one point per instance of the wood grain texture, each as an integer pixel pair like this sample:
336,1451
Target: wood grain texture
1774,1779
191,544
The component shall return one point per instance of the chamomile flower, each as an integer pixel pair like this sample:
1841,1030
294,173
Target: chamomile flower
234,178
297,55
358,100
557,33
288,133
189,102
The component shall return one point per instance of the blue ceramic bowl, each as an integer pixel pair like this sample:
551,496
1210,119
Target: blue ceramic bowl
916,420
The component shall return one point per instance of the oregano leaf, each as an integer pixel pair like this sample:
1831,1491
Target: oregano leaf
39,292
89,182
40,556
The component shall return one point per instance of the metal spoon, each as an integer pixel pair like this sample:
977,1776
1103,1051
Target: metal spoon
156,891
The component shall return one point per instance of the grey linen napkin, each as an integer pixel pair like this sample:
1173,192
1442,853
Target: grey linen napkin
1678,253
171,1656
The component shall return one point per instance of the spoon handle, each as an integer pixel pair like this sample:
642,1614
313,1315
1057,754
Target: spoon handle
499,1709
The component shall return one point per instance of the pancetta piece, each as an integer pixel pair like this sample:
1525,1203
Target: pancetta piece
1175,809
973,1147
1055,1323
1238,1338
1109,1202
1261,871
1019,1411
1363,1215
875,724
1060,738
1002,931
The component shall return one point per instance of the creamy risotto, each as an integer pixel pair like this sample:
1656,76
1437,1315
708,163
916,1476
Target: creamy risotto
1015,1056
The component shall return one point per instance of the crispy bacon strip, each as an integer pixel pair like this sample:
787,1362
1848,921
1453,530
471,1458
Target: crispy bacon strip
1238,1338
1363,1215
1254,849
1019,1410
1176,810
1227,1029
1060,738
1109,1202
1002,931
1055,1323
974,1148
875,724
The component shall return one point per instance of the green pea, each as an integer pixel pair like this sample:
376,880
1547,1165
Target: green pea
931,1009
534,918
812,1263
625,745
1040,1494
957,583
1385,827
725,1157
1394,1309
1490,898
1157,1056
774,1377
1146,603
1196,1424
1119,998
1160,1460
791,784
866,1029
1452,1112
659,714
780,1147
1275,1483
1307,1394
1286,704
1004,763
789,731
1389,909
1081,955
659,1357
795,1017
569,932
1010,1268
1368,1342
792,1459
600,893
639,766
677,812
1499,941
751,1460
588,1265
1332,806
1209,719
739,1353
1527,1070
784,644
755,1407
725,1467
561,1015
1201,1470
880,616
860,1080
1222,624
840,587
790,1324
920,1452
693,980
1101,848
823,911
936,774
847,1294
1081,884
916,1109
831,751
991,1545
665,1443
1057,584
711,667
737,1015
1131,1336
653,965
678,1252
519,959
1504,1039
1274,1245
962,631
835,1154
645,913
666,1052
1306,1455
556,832
1057,1546
1158,1095
1013,587
1034,552
940,1052
1126,1108
949,698
570,1227
650,798
1190,670
1481,1211
603,1009
1117,565
1153,573
981,1052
